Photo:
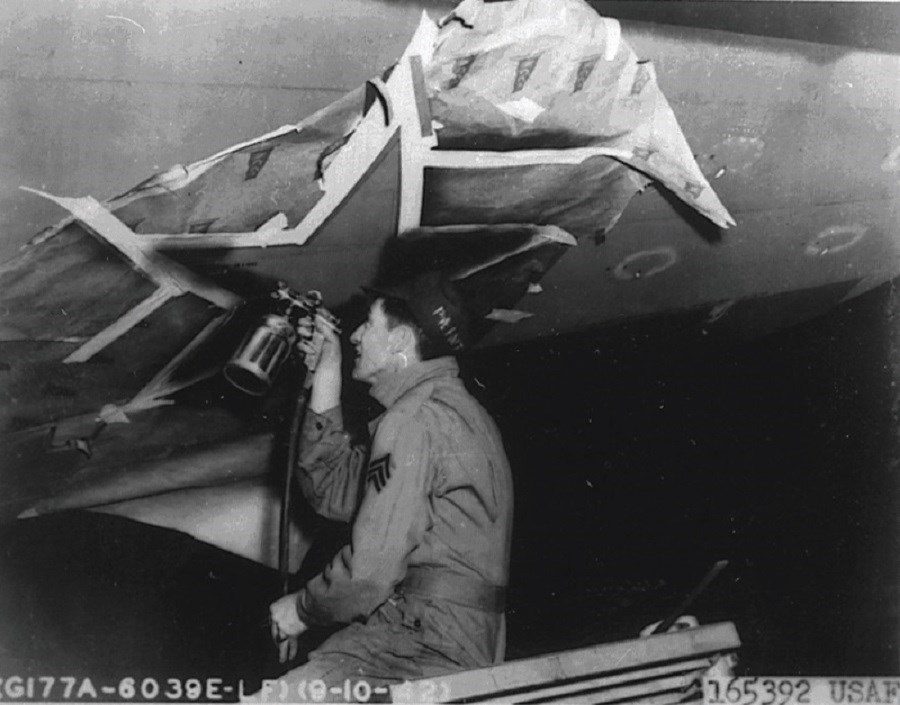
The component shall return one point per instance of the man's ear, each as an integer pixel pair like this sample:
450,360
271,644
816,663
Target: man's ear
402,338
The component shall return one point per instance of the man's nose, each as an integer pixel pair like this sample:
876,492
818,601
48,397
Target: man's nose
354,338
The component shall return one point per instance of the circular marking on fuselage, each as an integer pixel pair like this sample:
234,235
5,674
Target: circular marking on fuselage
835,239
646,263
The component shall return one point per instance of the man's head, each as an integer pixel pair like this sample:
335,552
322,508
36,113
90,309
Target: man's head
388,340
418,320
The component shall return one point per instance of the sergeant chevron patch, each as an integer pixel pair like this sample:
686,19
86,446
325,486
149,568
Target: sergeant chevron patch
379,472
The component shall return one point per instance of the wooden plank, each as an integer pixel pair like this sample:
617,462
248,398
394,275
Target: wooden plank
640,693
593,684
610,658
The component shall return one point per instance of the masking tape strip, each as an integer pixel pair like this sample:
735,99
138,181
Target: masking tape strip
116,413
119,327
161,384
406,87
508,315
153,393
349,166
414,163
423,109
260,237
365,146
493,160
544,235
179,176
160,269
172,278
613,37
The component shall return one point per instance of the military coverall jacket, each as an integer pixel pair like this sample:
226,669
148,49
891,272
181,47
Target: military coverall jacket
422,579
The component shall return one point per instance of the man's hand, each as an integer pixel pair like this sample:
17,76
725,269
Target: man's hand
331,344
685,621
286,626
318,340
326,386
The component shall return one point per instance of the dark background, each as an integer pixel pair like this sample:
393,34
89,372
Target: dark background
641,461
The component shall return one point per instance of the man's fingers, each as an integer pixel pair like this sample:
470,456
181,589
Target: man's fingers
326,328
273,626
286,623
327,321
287,650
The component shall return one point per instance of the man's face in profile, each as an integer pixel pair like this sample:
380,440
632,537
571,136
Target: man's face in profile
372,341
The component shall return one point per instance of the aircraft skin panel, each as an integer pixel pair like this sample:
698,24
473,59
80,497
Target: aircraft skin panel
70,286
244,189
37,388
796,126
776,156
99,139
744,160
339,257
797,139
662,267
93,104
756,316
786,81
239,194
861,25
165,439
565,195
769,69
557,76
153,112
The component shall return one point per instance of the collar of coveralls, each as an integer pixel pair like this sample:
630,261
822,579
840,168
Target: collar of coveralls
391,385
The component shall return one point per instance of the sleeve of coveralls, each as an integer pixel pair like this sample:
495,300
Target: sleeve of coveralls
329,469
390,524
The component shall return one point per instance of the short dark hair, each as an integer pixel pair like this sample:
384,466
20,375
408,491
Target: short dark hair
397,312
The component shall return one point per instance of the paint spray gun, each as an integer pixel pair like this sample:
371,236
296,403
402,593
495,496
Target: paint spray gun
257,361
261,354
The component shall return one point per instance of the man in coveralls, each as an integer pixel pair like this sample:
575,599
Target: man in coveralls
421,584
